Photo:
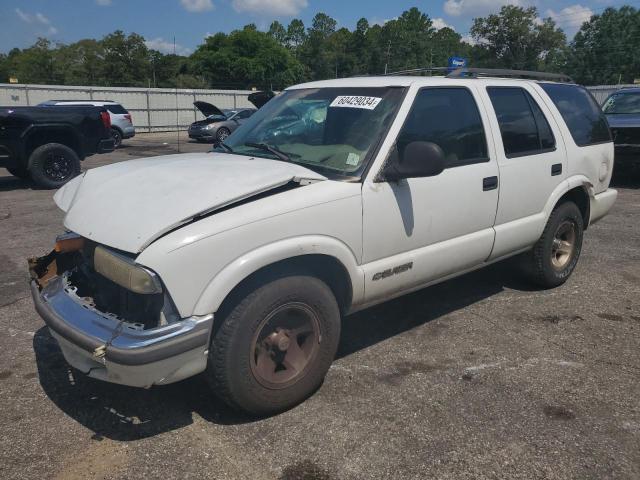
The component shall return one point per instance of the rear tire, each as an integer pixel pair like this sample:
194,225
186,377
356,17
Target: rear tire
53,164
274,344
556,253
19,172
117,138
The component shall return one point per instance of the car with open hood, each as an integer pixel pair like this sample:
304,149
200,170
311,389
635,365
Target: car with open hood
335,196
218,123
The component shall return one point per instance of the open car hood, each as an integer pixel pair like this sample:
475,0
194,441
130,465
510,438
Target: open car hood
260,98
128,205
207,109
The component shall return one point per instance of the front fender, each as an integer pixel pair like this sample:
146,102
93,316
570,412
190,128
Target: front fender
236,271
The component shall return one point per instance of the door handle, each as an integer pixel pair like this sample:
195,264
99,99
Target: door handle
489,183
556,169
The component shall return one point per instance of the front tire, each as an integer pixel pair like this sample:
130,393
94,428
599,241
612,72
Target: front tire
555,255
222,134
53,164
274,345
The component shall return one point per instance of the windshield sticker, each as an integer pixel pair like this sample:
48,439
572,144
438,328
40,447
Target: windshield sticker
353,159
349,101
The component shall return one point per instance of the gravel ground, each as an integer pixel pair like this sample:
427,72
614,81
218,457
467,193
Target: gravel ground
479,377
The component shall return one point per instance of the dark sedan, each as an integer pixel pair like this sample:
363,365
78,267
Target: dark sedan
622,109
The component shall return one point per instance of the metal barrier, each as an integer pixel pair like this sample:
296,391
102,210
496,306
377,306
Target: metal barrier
152,109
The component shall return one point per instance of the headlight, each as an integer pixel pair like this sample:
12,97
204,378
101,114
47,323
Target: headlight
210,126
123,271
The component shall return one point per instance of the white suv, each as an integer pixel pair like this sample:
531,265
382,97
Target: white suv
121,122
334,196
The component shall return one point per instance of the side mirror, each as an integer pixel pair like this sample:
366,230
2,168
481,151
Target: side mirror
419,159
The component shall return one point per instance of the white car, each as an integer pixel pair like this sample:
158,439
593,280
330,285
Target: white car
335,196
121,122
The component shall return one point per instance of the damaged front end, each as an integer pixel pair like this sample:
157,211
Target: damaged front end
112,317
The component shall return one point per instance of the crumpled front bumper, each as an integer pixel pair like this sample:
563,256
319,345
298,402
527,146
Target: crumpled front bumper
103,347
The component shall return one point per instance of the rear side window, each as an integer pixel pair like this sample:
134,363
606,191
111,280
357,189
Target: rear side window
116,109
581,113
523,126
448,117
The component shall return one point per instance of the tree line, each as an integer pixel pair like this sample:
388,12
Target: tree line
604,51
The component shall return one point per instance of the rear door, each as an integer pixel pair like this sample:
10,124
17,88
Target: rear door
532,160
419,230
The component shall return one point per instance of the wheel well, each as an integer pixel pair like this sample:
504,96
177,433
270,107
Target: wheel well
61,136
580,197
325,267
115,127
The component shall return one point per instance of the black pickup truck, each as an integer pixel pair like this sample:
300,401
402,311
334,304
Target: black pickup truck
48,143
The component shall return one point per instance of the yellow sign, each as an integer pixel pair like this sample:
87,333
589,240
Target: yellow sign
13,80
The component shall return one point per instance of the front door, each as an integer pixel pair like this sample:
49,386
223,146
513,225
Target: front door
419,230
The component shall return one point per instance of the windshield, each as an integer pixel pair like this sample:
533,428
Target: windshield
330,130
620,103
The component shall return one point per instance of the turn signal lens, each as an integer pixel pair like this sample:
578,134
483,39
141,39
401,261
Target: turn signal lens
69,243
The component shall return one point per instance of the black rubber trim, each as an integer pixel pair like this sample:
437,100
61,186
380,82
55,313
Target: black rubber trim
138,356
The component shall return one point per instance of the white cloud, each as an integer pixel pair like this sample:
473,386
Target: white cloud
439,23
456,8
572,16
166,46
38,20
197,5
104,3
271,7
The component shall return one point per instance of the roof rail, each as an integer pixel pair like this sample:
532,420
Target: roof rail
466,72
414,71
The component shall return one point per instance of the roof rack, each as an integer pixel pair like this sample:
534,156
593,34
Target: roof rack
466,72
415,71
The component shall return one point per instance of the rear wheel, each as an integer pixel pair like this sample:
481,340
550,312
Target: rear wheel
555,255
52,165
117,137
274,347
19,172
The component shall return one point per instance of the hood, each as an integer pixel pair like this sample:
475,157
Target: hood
627,120
260,98
207,109
128,205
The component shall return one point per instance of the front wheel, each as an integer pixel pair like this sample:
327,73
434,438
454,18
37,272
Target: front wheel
52,165
555,255
275,345
222,134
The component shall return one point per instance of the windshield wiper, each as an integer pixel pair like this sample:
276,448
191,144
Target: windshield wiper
268,148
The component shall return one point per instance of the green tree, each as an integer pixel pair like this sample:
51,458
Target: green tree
34,64
513,38
315,51
606,49
246,58
296,35
126,59
278,32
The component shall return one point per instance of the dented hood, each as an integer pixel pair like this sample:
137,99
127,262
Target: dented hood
128,205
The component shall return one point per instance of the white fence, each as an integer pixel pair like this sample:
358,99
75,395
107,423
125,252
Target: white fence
160,109
152,109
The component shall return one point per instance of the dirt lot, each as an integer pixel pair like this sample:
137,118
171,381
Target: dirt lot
479,377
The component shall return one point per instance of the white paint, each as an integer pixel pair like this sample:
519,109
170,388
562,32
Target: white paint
443,225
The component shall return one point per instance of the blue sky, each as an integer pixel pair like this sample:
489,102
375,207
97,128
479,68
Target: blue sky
22,21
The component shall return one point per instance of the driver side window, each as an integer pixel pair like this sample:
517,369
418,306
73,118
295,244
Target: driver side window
448,117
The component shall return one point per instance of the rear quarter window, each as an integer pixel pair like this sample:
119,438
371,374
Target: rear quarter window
581,113
116,109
